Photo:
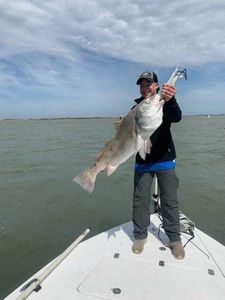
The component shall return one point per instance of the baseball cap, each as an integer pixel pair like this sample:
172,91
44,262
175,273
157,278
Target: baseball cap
150,76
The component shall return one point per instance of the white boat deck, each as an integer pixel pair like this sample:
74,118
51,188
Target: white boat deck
104,267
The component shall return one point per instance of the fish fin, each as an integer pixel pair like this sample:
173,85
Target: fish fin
145,148
117,123
148,146
86,180
110,169
142,153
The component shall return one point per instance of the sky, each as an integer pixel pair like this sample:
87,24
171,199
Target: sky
82,58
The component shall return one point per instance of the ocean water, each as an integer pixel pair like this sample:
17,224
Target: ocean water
42,210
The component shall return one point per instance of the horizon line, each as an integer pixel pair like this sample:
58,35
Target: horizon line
94,117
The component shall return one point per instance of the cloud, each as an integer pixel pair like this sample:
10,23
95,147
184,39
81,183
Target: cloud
164,32
83,57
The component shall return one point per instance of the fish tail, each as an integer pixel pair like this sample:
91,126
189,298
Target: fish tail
86,180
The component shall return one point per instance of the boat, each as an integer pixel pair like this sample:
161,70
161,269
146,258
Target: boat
104,267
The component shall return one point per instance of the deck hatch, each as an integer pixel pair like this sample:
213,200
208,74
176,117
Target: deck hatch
127,274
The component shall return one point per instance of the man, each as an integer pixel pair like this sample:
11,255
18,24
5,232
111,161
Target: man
160,161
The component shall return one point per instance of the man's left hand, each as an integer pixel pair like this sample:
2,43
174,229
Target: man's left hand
168,92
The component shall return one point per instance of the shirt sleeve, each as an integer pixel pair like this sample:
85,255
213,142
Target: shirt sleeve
171,111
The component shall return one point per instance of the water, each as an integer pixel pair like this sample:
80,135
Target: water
42,210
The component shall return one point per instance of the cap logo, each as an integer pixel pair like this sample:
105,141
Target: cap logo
147,74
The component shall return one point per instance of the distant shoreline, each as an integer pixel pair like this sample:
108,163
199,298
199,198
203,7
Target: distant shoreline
93,118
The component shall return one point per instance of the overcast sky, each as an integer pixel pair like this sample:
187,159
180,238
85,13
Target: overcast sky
82,57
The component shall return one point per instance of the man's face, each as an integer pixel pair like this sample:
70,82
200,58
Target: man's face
148,89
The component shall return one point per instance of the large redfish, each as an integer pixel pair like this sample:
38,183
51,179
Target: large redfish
132,136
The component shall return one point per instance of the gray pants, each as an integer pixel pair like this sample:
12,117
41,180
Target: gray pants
168,185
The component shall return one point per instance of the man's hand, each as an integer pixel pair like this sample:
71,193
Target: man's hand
168,91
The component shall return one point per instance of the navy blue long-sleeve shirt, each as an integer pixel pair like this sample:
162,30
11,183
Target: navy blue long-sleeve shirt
162,143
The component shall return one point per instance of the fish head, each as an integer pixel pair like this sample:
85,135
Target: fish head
148,115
